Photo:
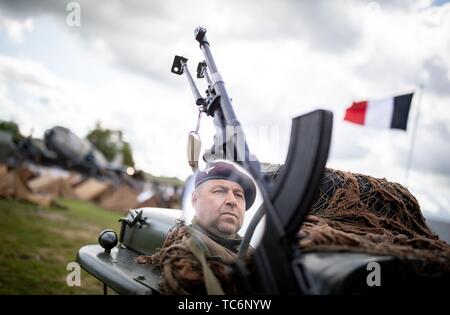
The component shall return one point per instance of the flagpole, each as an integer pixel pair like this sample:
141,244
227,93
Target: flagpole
414,132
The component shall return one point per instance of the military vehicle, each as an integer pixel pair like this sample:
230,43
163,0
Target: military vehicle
8,152
74,152
36,151
281,267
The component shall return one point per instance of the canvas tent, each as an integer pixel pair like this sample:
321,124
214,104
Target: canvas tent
54,186
121,199
91,189
13,186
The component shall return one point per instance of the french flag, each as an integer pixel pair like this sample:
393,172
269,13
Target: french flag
383,113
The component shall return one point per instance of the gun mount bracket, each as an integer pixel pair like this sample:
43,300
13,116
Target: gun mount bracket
177,65
213,105
200,69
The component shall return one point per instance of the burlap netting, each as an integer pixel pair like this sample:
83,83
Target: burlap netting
360,213
353,212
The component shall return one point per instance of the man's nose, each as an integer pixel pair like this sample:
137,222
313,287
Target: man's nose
231,199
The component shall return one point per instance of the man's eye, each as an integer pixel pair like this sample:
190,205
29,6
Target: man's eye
241,196
218,191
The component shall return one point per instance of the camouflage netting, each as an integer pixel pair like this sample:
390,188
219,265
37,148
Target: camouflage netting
353,212
360,213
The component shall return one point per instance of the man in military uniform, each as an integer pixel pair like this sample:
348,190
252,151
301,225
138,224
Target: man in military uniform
221,197
195,258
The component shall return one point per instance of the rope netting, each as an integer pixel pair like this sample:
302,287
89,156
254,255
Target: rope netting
356,212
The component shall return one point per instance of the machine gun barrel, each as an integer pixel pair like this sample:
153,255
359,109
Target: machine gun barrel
216,79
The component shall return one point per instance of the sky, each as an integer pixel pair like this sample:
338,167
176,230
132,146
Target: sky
279,59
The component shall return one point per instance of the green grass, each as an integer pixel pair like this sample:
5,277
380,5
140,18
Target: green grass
37,244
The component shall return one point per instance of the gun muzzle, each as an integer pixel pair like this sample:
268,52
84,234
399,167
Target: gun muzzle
200,33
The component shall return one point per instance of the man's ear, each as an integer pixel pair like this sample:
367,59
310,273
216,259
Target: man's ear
194,198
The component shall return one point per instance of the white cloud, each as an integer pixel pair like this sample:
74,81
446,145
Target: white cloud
16,29
278,59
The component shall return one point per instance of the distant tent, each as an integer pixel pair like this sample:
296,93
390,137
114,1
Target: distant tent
54,186
74,178
153,201
13,186
25,173
174,201
3,169
121,199
91,189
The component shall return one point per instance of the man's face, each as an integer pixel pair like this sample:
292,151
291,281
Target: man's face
220,206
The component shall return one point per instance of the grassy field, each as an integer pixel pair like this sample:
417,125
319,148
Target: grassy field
37,244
